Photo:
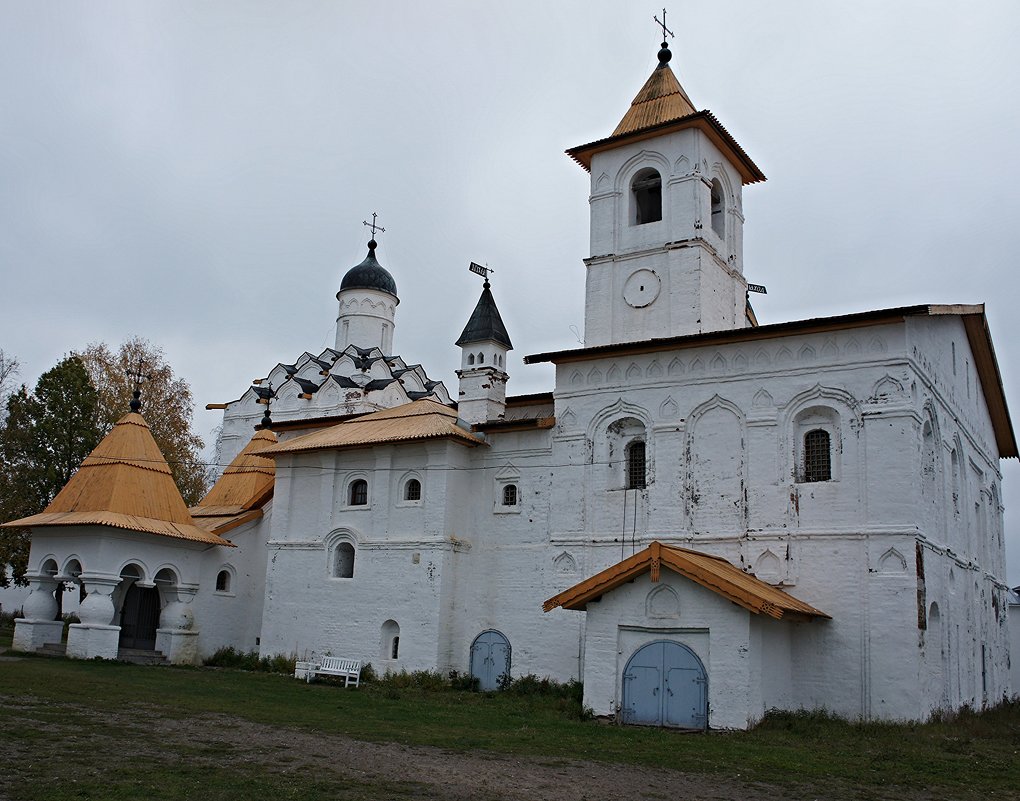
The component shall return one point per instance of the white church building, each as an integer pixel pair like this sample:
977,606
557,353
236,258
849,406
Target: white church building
706,518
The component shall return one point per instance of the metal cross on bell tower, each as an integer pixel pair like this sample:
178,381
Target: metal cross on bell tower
139,378
662,24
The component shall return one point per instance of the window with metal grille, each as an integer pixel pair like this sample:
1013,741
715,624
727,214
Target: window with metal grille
817,456
223,581
510,495
636,469
359,492
412,490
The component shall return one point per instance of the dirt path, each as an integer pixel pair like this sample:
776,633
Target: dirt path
419,772
457,776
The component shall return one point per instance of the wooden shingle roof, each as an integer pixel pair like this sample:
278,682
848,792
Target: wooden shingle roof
712,572
124,483
243,489
660,100
418,420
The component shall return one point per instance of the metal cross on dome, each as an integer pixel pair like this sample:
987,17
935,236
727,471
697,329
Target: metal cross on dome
139,377
373,226
662,24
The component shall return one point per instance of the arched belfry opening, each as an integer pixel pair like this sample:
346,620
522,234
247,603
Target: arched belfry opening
718,209
646,196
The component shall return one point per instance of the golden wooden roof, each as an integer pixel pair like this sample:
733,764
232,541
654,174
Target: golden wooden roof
711,572
661,99
248,481
245,486
124,483
420,419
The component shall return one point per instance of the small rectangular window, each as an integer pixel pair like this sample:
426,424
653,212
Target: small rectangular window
636,465
817,456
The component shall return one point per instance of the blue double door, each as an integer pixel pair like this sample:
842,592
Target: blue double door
490,659
665,684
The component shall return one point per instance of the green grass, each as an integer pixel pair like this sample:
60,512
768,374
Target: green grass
49,706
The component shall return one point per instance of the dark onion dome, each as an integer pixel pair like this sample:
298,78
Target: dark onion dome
370,274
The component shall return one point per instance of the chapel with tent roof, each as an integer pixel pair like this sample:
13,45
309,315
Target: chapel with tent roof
706,518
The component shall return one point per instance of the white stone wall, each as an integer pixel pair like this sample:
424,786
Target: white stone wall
723,426
671,277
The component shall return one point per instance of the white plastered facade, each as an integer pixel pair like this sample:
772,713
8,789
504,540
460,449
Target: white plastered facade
901,544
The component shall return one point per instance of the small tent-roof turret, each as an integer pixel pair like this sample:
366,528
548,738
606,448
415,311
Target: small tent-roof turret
124,483
244,488
485,324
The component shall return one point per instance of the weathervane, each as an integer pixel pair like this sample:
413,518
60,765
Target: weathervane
373,226
478,269
139,377
662,24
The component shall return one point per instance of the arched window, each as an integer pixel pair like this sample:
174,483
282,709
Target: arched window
343,561
481,358
510,495
646,197
471,358
718,209
636,465
412,490
389,635
223,581
817,455
359,492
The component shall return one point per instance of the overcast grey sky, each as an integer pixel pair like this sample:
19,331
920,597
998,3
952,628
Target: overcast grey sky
196,173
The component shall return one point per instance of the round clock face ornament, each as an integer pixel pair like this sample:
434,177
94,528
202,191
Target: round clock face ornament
641,288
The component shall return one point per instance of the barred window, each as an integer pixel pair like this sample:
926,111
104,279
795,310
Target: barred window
817,456
636,470
359,492
223,581
412,490
510,495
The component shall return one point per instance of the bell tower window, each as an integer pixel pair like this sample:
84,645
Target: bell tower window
646,197
718,209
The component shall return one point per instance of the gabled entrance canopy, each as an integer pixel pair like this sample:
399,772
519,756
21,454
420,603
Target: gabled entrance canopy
711,572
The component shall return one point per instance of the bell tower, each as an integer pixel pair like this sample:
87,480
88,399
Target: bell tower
666,220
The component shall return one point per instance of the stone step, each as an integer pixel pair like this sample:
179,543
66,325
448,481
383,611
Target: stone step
138,656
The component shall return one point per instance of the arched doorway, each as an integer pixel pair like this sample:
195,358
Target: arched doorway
665,684
490,659
139,618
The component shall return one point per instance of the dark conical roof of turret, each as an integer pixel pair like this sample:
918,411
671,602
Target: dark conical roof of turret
485,323
370,274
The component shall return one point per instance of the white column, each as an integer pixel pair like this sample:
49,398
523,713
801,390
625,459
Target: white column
96,636
177,636
38,627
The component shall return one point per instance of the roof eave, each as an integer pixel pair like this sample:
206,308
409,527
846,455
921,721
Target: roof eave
704,120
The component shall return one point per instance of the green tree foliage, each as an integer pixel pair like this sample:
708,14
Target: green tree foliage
45,437
167,405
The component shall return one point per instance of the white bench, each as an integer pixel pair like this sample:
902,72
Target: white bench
347,669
